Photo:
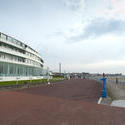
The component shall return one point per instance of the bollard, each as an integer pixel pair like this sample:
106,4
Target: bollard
104,92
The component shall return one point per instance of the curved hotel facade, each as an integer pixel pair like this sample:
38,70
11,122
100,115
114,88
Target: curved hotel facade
18,59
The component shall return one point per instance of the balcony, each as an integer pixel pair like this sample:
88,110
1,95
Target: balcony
16,62
12,44
16,53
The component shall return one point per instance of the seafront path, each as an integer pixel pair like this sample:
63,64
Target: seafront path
69,102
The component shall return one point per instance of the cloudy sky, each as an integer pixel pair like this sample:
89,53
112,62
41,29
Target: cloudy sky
83,35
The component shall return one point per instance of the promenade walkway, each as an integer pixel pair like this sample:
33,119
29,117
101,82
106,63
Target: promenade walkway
71,102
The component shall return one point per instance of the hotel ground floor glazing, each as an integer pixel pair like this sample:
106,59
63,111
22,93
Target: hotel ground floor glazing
11,69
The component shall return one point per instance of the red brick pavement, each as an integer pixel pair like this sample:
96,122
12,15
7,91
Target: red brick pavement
66,103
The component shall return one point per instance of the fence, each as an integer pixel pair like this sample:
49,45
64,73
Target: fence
115,86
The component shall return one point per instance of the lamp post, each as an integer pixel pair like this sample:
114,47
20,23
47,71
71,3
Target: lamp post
60,68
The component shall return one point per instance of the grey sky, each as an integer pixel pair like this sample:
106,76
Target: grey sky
100,26
84,35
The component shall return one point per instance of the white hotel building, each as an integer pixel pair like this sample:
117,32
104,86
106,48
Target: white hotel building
18,59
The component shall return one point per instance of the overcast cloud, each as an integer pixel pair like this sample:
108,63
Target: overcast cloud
84,35
100,26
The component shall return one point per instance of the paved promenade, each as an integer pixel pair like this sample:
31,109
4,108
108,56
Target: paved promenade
71,102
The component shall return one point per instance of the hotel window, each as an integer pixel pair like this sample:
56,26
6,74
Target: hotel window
1,69
14,41
11,69
9,39
3,56
23,45
3,36
18,42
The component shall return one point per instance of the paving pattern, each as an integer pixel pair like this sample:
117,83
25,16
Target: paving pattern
71,102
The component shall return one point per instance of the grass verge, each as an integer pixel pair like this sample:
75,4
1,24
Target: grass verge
29,82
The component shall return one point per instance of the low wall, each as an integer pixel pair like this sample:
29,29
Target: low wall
116,91
115,86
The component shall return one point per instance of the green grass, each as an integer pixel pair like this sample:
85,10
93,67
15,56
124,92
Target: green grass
58,77
22,82
29,82
56,80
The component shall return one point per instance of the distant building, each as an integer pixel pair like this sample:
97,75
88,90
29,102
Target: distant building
117,74
18,59
57,74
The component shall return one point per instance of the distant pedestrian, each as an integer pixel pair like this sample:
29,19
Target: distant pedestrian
48,80
116,80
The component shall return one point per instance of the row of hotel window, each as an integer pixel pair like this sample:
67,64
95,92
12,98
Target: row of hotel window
7,69
18,50
33,56
10,39
18,59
